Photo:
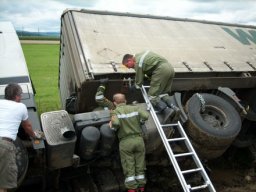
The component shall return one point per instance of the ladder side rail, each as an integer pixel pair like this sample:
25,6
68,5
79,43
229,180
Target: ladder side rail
195,157
166,144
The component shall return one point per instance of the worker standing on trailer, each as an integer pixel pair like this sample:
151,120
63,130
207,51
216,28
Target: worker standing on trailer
127,120
12,114
159,70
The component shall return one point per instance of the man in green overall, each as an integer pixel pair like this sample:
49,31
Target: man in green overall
127,120
100,98
161,73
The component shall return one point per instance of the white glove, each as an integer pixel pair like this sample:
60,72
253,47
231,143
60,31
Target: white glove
38,134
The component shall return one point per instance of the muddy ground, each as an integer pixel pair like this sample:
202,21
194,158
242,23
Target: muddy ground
234,171
230,180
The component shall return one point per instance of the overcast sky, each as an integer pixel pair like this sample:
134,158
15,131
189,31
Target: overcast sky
44,15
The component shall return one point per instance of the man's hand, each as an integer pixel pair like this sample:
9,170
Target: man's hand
39,134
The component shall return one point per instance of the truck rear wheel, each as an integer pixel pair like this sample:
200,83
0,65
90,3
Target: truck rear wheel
215,127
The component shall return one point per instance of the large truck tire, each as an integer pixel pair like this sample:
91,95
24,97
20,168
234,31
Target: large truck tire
206,153
216,126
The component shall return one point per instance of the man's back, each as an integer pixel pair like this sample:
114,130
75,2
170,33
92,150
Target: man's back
11,115
128,120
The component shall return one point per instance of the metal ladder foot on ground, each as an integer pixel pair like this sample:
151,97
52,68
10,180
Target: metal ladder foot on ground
183,174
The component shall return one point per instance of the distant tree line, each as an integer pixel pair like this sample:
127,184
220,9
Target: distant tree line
25,35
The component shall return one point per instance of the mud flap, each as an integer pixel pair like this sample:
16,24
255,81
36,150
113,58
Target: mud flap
230,96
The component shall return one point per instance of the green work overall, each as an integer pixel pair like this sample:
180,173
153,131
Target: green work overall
101,100
127,120
158,69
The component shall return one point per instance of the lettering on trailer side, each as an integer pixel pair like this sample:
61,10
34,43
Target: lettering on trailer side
242,36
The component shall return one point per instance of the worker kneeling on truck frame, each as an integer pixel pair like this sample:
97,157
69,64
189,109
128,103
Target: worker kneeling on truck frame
161,73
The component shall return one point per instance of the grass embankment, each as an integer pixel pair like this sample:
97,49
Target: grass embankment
42,61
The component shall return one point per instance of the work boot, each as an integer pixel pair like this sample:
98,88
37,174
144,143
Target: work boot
159,105
167,99
165,111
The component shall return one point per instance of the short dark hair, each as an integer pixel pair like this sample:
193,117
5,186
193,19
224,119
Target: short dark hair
126,57
11,91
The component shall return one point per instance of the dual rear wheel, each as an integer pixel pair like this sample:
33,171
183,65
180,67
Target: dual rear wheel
213,124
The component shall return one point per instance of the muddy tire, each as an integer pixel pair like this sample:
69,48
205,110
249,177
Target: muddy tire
206,153
217,126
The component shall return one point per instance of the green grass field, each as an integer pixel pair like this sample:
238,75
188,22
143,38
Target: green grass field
42,61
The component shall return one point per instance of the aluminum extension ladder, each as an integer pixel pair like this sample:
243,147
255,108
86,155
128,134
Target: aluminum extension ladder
206,182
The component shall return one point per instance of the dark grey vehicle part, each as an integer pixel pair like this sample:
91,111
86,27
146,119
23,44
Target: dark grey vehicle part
21,160
247,136
250,99
230,96
90,137
216,126
108,138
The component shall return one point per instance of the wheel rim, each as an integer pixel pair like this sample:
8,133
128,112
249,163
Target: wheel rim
214,117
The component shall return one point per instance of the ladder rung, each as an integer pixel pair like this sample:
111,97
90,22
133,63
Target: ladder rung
177,139
191,170
199,187
183,154
170,125
173,157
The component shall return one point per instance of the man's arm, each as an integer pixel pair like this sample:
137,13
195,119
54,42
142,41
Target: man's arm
114,120
27,126
143,114
101,100
139,76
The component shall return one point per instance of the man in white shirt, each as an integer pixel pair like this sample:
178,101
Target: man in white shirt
12,115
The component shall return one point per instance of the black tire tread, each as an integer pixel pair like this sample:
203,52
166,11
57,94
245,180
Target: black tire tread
203,133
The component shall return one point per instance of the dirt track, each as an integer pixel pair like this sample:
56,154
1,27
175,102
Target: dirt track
39,42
